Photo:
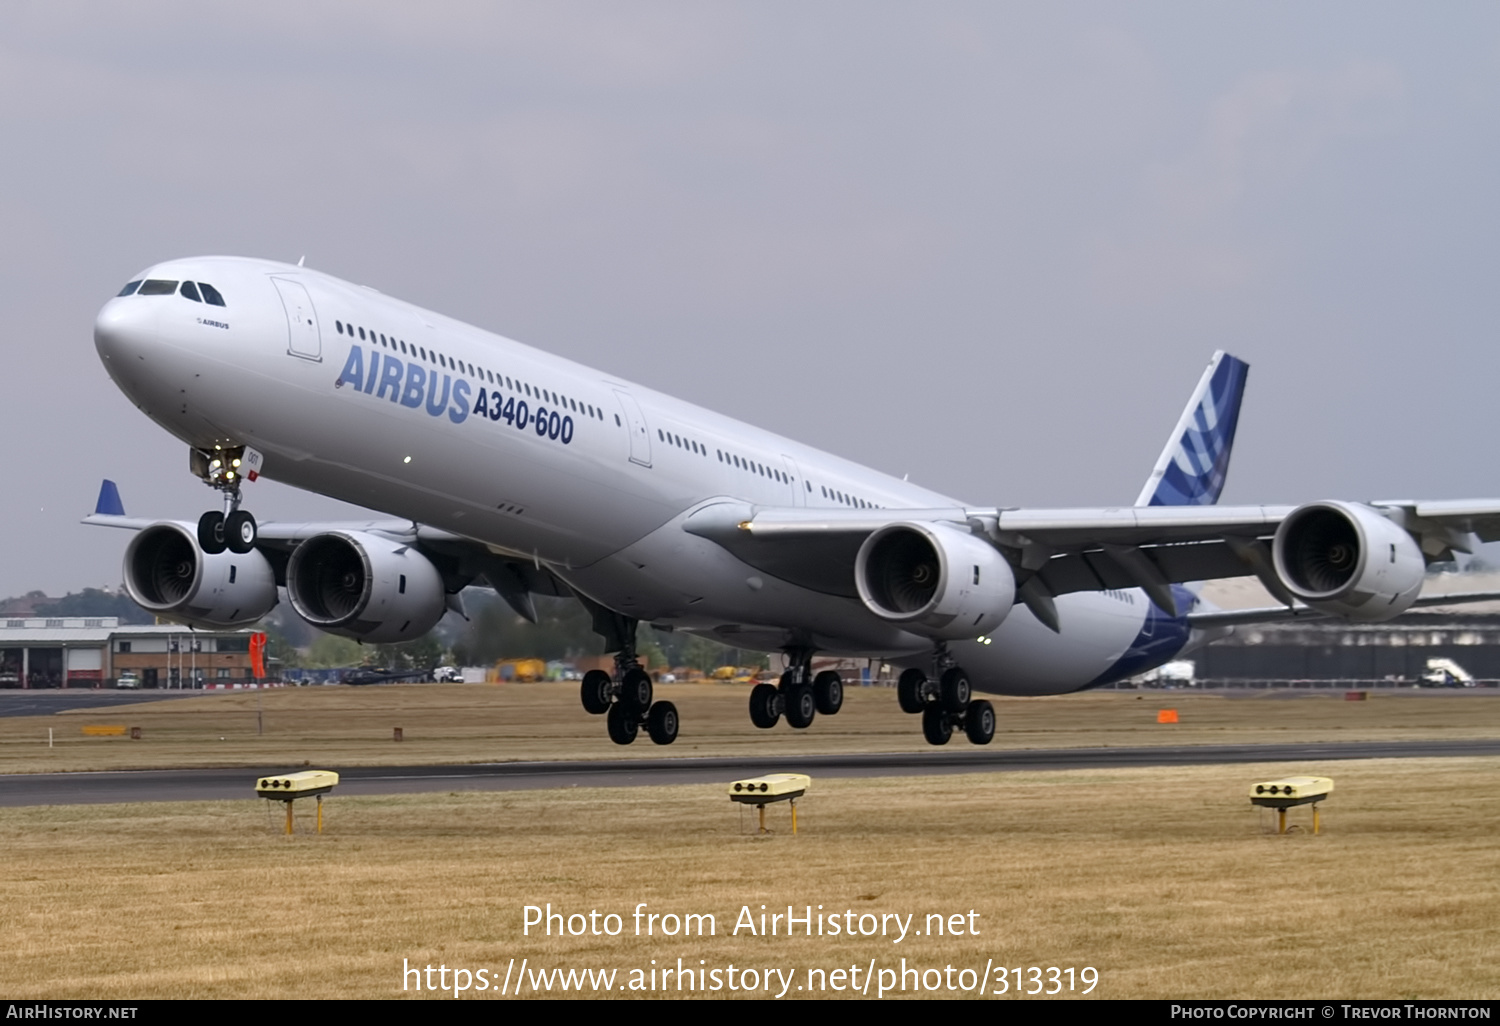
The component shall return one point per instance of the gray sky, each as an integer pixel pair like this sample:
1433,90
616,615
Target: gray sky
990,245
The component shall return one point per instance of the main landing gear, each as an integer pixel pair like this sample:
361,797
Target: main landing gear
947,703
799,697
233,529
624,699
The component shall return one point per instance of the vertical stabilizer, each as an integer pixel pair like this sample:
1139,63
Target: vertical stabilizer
1192,468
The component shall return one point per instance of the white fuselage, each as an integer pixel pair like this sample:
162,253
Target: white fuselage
358,396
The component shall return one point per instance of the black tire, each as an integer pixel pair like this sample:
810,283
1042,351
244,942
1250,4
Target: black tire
661,723
979,722
955,690
936,727
240,532
801,707
763,711
595,692
635,690
211,533
828,692
622,724
909,690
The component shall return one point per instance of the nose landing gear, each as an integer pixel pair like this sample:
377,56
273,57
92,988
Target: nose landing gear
223,469
947,703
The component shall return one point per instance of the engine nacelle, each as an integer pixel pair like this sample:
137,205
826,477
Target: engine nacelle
169,575
936,579
1346,559
365,587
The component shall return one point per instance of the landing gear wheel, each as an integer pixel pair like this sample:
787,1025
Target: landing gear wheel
595,692
909,690
955,690
979,722
801,706
622,724
635,690
828,692
661,723
211,533
763,711
936,727
240,531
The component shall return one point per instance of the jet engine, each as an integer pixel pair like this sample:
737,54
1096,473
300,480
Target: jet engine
169,575
1345,559
938,580
365,587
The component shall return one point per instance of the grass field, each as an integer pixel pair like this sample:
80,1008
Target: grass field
1166,881
342,726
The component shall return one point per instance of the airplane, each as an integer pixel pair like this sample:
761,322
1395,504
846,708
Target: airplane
501,463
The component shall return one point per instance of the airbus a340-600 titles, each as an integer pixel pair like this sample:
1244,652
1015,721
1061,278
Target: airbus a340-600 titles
506,465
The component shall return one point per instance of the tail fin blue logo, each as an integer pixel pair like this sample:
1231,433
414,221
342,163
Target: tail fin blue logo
1193,467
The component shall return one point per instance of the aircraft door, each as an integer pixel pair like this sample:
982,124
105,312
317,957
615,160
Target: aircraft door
635,423
303,338
799,486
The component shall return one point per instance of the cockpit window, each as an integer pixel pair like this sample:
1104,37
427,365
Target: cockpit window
210,294
130,287
158,287
191,291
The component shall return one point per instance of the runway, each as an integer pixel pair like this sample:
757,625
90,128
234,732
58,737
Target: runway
220,784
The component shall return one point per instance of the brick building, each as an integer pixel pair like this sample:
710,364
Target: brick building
92,652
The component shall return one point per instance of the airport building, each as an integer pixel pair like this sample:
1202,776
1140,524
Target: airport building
1315,651
91,652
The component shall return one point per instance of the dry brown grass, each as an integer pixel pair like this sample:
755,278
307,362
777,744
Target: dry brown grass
480,723
1166,880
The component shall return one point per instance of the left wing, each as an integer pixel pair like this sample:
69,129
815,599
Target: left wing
1055,552
1363,560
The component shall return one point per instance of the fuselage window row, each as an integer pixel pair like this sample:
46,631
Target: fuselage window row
679,441
433,356
834,495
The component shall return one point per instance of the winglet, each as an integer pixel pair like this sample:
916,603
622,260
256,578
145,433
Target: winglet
109,504
1192,468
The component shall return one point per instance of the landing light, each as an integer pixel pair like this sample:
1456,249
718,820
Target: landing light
407,460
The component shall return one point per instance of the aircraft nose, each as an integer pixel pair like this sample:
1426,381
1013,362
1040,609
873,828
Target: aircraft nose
123,330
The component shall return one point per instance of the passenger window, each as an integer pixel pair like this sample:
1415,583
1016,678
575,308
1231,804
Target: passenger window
190,291
157,287
211,295
340,326
129,288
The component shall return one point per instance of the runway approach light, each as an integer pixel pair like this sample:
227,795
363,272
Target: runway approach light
1289,791
288,787
773,787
